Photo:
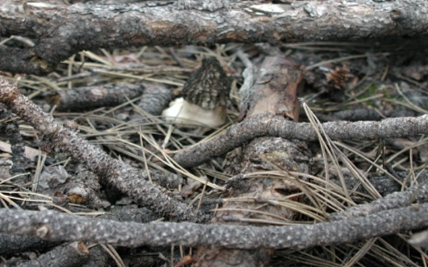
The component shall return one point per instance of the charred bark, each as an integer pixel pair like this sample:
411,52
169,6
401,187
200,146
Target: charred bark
95,96
57,31
70,255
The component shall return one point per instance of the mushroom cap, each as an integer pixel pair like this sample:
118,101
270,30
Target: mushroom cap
209,86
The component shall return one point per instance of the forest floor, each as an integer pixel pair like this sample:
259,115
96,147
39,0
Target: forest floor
343,81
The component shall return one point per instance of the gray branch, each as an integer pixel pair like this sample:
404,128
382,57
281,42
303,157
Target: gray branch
415,194
263,125
59,31
69,255
128,180
56,226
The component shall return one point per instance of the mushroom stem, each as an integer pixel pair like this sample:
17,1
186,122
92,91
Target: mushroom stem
190,115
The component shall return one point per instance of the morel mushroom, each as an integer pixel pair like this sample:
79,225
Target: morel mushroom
205,96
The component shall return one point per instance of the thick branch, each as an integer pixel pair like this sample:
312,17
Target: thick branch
71,255
61,30
56,226
128,180
12,244
258,126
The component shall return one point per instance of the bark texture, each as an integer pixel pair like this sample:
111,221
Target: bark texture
71,255
95,96
268,89
55,226
112,172
59,30
268,125
415,194
12,244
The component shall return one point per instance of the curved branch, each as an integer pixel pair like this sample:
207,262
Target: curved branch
56,226
265,125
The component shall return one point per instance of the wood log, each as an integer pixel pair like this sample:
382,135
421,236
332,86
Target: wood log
57,31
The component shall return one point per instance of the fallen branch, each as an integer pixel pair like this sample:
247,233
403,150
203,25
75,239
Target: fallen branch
54,226
70,255
265,125
62,30
113,172
415,194
13,244
94,96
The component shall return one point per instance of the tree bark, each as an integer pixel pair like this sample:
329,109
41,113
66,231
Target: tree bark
269,89
58,31
94,96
